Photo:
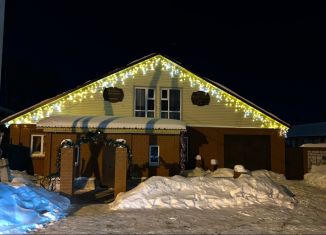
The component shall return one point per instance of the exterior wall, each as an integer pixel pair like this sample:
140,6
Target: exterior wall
313,156
20,136
214,114
96,160
209,143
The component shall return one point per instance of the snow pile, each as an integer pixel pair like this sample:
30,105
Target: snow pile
270,174
219,172
24,208
222,172
196,172
317,176
203,193
240,169
21,177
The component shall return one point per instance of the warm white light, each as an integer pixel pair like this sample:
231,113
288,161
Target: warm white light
174,70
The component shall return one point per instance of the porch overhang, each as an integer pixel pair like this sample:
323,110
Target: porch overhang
111,124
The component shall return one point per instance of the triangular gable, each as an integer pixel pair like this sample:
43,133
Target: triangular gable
232,100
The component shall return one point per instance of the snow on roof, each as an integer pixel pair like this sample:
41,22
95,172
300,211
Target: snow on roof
111,122
320,145
311,129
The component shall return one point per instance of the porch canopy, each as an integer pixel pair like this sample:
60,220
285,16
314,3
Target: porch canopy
110,124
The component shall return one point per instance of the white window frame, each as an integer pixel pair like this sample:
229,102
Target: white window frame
146,101
168,99
42,145
150,163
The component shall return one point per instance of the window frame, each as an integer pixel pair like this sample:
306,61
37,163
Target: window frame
41,153
168,99
150,163
146,101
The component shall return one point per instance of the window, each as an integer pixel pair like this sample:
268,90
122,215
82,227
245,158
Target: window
170,103
154,153
37,142
145,102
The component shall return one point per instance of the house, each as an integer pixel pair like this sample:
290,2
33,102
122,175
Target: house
166,114
305,147
312,133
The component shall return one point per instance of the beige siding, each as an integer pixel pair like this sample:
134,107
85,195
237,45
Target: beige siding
214,114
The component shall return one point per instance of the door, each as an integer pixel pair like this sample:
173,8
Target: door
251,151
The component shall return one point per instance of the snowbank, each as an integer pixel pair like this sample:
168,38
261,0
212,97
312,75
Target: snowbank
219,172
24,208
203,193
317,176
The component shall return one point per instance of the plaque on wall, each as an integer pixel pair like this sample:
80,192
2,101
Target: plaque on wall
113,94
200,98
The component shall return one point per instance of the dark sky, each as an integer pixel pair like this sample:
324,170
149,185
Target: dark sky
273,55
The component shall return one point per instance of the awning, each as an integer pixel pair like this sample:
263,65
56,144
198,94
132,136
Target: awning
111,124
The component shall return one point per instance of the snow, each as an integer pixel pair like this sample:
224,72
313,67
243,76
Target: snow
204,192
307,217
319,145
25,207
262,202
111,122
317,176
240,169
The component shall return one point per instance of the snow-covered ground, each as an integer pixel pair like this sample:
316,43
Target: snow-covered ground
317,176
260,202
25,207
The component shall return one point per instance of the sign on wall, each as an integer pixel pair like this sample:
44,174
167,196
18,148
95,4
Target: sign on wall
113,94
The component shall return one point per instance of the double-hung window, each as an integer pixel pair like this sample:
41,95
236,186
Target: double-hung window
145,102
170,103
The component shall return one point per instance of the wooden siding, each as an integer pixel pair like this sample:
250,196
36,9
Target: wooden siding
96,160
214,114
209,143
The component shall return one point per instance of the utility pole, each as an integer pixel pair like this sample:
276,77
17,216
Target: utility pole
2,25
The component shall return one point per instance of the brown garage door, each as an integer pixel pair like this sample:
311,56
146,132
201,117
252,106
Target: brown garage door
251,151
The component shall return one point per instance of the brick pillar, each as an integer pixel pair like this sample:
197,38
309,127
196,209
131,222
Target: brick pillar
4,170
120,171
67,170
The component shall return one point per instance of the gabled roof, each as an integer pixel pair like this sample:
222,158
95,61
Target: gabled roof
308,130
45,108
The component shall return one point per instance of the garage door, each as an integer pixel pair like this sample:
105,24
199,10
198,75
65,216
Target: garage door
251,151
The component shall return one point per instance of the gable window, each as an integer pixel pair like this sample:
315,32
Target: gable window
170,103
144,102
154,153
37,144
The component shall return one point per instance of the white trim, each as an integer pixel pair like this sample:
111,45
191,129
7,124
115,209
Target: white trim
168,99
158,156
41,153
146,101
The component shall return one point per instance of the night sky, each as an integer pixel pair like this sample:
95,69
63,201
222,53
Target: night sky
273,55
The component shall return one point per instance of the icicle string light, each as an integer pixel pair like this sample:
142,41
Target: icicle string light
175,71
